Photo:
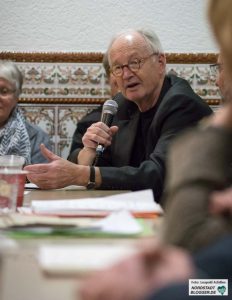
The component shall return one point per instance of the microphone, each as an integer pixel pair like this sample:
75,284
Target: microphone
109,109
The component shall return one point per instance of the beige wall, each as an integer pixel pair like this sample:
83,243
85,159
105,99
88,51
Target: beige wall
87,25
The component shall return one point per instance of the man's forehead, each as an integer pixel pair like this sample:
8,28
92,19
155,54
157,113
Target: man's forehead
131,42
128,39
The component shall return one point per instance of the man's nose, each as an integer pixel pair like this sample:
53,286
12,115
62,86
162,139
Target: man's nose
126,71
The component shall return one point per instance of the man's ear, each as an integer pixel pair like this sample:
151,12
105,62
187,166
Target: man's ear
162,61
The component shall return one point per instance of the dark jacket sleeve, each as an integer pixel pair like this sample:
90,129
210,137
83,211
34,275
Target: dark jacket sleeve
174,115
199,163
92,117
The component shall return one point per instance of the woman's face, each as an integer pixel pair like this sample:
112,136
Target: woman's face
8,100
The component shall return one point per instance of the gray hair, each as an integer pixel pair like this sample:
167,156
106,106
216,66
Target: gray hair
149,36
10,72
106,65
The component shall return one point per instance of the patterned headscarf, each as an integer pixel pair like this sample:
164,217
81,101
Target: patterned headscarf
14,138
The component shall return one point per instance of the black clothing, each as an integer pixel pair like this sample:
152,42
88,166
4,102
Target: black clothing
178,109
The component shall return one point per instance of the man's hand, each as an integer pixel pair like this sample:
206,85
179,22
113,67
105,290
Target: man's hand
99,133
57,173
221,202
139,275
221,118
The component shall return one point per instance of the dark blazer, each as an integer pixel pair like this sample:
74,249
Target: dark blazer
179,109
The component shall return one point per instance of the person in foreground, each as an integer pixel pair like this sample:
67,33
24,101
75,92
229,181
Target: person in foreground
158,108
221,82
156,268
17,136
161,271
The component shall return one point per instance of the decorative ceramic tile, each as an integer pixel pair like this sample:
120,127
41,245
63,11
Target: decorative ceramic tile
205,85
80,80
73,80
199,77
88,80
208,92
43,116
59,122
182,70
40,80
68,117
63,147
204,76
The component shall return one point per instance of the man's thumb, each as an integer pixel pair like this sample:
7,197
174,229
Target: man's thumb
48,154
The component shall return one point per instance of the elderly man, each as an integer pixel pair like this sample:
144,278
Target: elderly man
158,108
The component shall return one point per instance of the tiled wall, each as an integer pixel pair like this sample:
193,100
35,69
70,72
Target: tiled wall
59,80
59,121
85,81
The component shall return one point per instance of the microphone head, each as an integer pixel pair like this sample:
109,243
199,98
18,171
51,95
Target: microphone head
110,107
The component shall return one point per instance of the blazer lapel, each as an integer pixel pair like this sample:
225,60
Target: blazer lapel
123,143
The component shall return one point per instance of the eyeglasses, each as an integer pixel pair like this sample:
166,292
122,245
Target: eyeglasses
5,92
216,68
133,65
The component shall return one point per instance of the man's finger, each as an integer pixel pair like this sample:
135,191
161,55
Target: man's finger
48,154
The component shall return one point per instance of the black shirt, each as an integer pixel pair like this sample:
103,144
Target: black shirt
145,119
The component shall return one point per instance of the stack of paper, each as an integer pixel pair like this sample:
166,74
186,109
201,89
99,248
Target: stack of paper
138,203
116,224
81,259
32,186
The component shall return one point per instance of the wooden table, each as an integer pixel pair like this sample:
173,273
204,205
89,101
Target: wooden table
20,275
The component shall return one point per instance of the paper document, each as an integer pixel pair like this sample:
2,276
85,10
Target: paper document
120,223
19,220
135,202
32,186
81,259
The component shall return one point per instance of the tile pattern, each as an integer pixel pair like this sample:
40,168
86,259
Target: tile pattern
86,81
199,77
59,80
59,121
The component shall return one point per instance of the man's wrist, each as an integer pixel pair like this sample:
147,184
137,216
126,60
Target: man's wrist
86,156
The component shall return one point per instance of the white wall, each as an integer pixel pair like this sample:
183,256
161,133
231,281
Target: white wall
88,25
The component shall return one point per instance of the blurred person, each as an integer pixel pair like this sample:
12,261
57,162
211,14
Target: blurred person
161,271
195,170
218,259
220,18
221,81
211,166
156,107
17,136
